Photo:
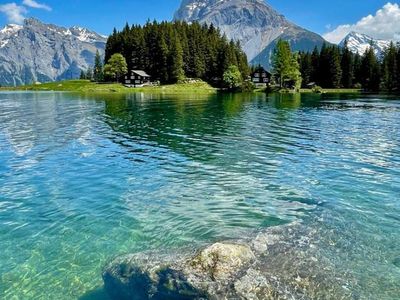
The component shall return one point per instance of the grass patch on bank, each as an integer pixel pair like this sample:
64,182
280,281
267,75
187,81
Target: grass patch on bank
86,86
332,91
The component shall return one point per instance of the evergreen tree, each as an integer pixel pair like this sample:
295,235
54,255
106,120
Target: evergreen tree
315,66
398,68
83,75
162,59
176,61
347,65
89,74
335,70
370,71
324,78
306,68
389,69
98,68
357,69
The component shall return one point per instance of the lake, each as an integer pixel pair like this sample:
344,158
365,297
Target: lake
83,179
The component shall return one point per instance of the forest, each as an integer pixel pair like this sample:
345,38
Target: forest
336,67
170,52
173,51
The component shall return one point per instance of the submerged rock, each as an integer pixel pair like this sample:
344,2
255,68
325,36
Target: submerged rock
278,263
201,276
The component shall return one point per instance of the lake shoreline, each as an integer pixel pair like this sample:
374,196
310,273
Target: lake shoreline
88,87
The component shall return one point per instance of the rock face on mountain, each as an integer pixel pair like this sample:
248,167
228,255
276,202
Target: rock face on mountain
252,22
43,52
359,43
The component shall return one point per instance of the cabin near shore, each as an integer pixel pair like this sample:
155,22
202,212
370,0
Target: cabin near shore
137,78
261,77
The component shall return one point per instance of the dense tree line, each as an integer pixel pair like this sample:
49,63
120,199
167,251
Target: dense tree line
170,52
335,67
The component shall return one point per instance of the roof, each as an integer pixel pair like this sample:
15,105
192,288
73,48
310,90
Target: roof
141,73
261,69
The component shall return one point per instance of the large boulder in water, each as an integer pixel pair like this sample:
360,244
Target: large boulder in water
206,275
283,262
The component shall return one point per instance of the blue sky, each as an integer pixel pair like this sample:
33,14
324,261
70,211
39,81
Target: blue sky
101,16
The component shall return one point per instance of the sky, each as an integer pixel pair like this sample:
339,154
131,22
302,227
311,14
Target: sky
333,19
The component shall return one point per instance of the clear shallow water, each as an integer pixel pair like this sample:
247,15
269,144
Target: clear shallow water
85,179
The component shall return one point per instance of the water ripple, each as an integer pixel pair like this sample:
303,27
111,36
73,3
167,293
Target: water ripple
85,178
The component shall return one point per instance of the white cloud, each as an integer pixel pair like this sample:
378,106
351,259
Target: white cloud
15,13
34,4
385,24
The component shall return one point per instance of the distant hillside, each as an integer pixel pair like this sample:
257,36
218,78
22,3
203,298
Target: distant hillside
43,52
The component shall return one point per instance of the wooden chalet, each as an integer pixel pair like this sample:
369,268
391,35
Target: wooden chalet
137,78
261,77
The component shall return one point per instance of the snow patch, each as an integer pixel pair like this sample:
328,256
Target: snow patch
359,43
7,32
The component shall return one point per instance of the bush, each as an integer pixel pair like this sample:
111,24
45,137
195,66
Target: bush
317,89
247,86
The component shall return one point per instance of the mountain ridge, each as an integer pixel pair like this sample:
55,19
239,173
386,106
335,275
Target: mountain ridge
254,23
39,52
359,42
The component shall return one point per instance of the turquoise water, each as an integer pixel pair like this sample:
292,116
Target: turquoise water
85,179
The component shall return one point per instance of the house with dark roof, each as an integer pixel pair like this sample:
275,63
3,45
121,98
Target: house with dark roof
137,78
261,77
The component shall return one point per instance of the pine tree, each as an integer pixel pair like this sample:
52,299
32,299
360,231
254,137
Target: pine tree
347,65
335,70
389,69
306,68
357,69
370,71
176,61
83,75
324,66
162,60
89,74
315,58
398,68
98,68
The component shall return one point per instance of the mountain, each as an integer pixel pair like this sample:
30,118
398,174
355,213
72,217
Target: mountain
358,43
254,23
43,52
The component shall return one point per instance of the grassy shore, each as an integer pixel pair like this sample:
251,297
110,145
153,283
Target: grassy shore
86,86
329,91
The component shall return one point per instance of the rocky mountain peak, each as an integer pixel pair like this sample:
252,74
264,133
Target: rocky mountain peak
359,43
254,23
43,52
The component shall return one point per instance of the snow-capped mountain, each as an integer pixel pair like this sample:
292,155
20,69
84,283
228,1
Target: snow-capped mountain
252,22
359,43
7,32
44,52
